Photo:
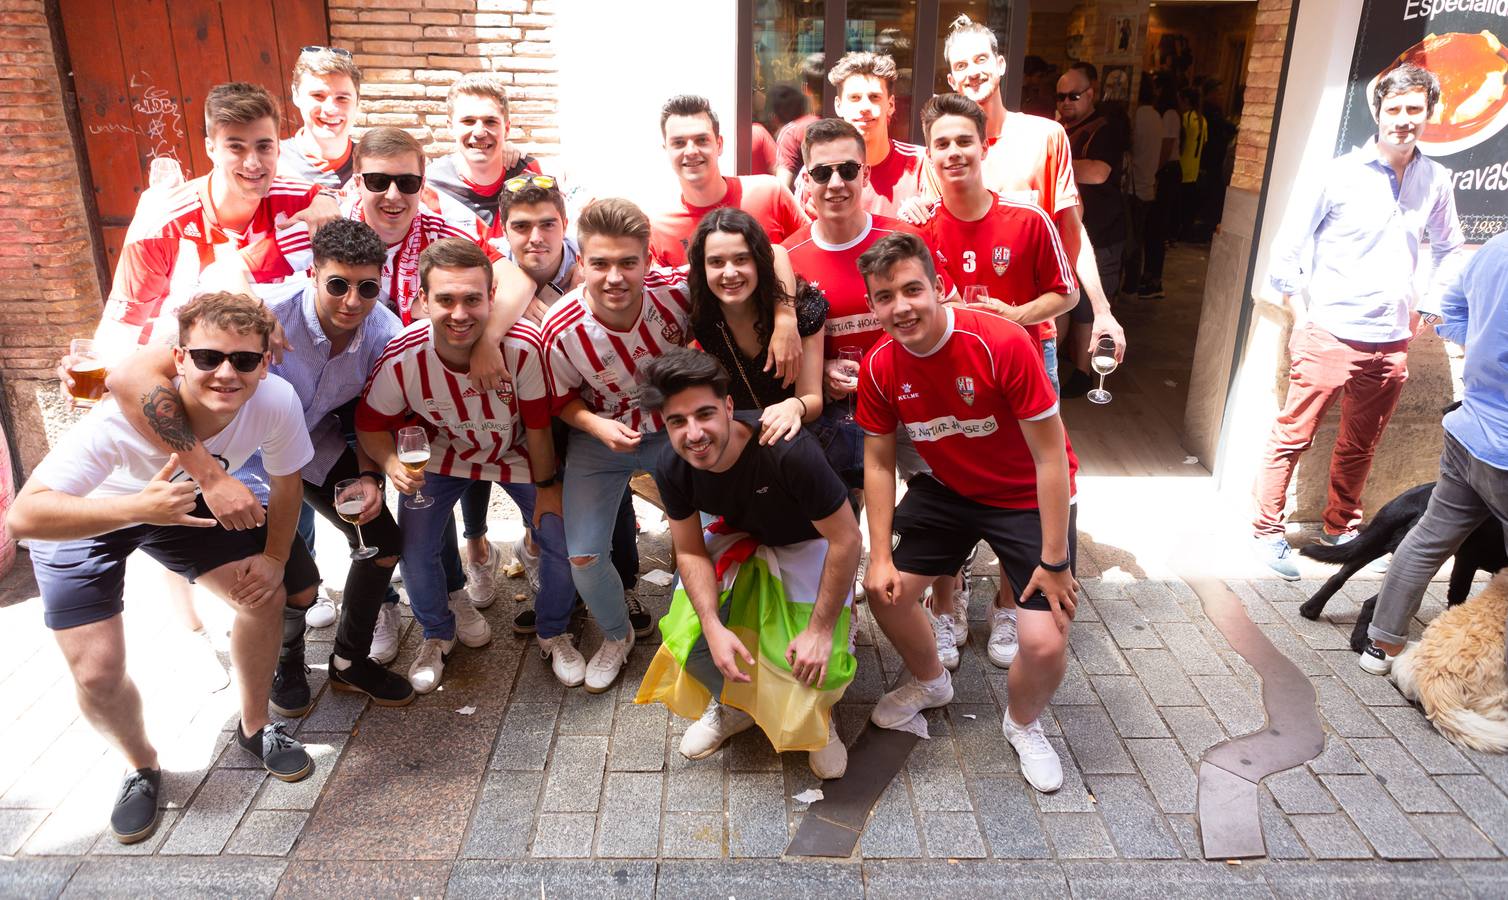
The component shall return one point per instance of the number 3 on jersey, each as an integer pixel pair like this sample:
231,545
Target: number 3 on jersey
968,261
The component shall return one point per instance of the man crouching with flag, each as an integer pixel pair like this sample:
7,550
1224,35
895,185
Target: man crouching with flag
759,630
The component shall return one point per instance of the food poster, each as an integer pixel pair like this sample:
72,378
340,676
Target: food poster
1461,41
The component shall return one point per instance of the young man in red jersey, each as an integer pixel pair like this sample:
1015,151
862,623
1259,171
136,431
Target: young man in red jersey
693,143
970,390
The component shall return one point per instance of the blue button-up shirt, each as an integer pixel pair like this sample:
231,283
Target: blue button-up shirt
1475,308
1355,249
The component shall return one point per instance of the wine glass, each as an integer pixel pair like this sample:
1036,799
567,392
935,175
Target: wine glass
1103,362
856,356
413,453
351,497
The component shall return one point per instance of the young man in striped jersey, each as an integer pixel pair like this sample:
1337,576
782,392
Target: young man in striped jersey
475,435
326,87
464,186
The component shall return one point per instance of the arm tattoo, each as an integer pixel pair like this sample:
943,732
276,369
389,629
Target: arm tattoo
163,409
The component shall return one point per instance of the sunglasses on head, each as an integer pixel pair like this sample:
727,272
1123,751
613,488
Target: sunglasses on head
315,48
368,288
514,185
847,171
244,361
1072,95
377,182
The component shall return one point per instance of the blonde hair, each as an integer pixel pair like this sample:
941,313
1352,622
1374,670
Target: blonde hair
479,84
387,142
324,62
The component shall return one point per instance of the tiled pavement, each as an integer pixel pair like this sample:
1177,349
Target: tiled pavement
505,784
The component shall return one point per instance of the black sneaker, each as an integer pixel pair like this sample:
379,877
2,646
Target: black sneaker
638,617
366,677
136,814
1151,290
1077,384
281,755
290,688
524,624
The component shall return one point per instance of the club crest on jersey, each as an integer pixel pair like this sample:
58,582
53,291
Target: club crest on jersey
1001,258
672,333
965,386
505,393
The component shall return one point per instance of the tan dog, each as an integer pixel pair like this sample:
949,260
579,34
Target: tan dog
1456,671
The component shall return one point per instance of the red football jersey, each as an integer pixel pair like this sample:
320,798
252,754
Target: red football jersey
761,196
835,269
961,403
1014,251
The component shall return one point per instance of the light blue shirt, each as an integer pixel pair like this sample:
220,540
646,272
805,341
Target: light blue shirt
1355,249
1475,308
568,253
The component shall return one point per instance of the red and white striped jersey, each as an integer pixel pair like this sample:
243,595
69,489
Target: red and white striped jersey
171,242
585,359
472,434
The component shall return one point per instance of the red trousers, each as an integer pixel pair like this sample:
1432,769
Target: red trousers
1367,378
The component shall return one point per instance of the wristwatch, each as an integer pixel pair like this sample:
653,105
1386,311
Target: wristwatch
548,482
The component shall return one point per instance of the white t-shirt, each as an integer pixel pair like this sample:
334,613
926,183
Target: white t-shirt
103,456
1148,131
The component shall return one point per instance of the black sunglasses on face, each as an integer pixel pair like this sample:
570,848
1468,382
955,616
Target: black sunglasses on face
377,182
1072,95
847,171
244,361
368,288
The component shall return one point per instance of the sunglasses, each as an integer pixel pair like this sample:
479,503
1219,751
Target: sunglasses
368,288
514,185
1071,95
244,361
847,171
315,48
377,182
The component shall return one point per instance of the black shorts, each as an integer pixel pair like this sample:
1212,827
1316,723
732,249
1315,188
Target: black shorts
83,581
936,528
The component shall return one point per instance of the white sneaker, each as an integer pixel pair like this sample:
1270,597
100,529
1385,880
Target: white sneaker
429,665
1374,660
471,628
566,661
942,633
859,594
1039,761
607,662
960,617
481,579
717,724
1004,645
530,562
322,613
901,704
831,761
385,635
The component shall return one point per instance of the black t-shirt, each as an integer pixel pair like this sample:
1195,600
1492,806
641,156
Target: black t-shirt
774,493
752,387
1107,140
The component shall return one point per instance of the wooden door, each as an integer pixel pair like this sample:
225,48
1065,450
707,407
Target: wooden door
141,69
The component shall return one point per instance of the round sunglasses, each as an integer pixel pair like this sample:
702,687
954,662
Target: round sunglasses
847,171
368,288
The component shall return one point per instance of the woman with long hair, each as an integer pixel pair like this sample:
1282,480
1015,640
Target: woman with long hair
734,292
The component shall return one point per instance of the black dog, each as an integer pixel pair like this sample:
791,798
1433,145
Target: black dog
1481,551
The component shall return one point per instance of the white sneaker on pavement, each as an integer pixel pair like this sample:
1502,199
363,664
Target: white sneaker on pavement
322,613
1374,660
717,724
566,661
481,578
942,634
607,662
471,628
901,704
530,562
831,761
385,635
429,665
1004,645
960,617
1039,761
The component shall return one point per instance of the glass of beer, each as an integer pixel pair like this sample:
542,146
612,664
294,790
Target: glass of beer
413,453
351,498
87,371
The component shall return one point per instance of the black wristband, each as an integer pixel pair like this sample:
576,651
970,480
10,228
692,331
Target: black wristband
548,482
375,475
1059,567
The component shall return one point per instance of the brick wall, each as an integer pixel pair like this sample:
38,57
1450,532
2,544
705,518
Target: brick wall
1260,103
411,50
49,286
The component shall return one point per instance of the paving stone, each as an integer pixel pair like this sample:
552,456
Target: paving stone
365,878
1370,689
751,751
107,845
1277,832
1167,773
1162,679
908,879
1074,688
1195,727
1485,804
32,878
567,835
1078,836
639,738
583,712
1296,791
267,833
585,879
1186,831
1134,822
1370,807
1133,714
979,740
335,711
952,835
1128,625
630,821
1418,737
1156,601
694,785
1096,650
1258,610
574,780
936,777
325,749
1364,881
756,814
1484,879
1456,838
45,782
1072,796
805,878
1414,791
162,877
409,817
869,678
1237,709
16,825
1186,642
207,824
892,828
971,682
1296,649
1493,765
693,835
504,815
523,741
1336,759
1093,741
1164,881
1009,818
1331,836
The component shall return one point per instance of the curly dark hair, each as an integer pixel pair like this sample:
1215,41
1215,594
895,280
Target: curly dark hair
767,293
678,369
350,243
